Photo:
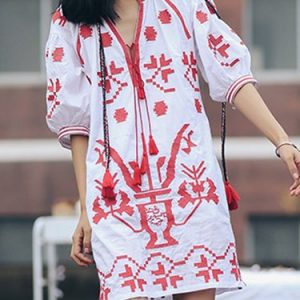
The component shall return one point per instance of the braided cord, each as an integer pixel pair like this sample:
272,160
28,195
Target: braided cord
223,139
103,74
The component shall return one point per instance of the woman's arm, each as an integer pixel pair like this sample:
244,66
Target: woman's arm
81,246
79,145
251,104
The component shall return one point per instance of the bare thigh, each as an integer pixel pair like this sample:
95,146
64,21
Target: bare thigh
208,294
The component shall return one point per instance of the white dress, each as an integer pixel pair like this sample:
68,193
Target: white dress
170,233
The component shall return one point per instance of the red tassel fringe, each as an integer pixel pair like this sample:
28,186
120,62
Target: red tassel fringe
137,178
144,163
141,93
108,186
232,196
153,150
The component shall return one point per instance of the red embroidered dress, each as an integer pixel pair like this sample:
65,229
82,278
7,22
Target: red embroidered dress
168,230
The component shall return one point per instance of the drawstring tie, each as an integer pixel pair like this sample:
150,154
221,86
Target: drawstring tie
141,95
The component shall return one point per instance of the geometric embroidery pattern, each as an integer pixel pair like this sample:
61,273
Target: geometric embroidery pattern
161,68
150,33
164,17
160,108
113,85
53,90
167,272
219,48
191,74
58,54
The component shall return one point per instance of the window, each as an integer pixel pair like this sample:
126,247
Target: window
24,29
273,34
274,240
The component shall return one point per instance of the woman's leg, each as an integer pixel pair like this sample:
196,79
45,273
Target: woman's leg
208,294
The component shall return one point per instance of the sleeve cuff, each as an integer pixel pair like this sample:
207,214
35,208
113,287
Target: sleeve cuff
237,85
64,135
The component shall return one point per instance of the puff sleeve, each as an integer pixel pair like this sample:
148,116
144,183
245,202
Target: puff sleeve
223,59
68,89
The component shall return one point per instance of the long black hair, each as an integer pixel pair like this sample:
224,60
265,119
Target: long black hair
89,12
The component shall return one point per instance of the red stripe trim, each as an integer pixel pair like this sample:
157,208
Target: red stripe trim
73,128
178,13
237,85
70,130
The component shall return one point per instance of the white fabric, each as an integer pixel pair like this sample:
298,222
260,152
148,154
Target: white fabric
171,234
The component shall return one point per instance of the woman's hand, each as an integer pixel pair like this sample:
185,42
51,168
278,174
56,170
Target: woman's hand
81,245
251,104
291,157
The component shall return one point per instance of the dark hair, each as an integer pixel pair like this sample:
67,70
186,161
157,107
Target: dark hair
89,12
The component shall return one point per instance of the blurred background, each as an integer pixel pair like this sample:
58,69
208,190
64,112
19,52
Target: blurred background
36,174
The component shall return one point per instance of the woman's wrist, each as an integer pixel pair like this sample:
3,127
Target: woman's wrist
284,144
281,138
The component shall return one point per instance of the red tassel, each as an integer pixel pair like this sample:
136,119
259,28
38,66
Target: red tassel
108,186
137,175
153,150
137,178
141,92
232,196
144,163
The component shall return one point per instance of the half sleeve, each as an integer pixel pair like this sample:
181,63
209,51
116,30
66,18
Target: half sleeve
223,59
68,90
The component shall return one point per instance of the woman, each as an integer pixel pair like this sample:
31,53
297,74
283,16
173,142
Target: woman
124,97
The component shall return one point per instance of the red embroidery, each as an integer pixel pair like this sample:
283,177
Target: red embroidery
219,48
164,276
235,270
107,39
150,33
114,86
86,31
198,105
196,189
156,215
58,54
53,90
165,17
101,159
191,73
201,16
160,108
162,67
159,164
58,16
133,281
78,49
167,272
207,270
179,15
189,142
120,115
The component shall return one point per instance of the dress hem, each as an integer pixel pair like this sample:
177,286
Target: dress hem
220,289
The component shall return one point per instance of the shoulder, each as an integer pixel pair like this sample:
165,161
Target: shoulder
60,25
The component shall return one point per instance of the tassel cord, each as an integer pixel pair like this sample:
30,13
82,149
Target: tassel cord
103,83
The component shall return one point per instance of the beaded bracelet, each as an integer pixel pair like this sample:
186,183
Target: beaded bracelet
282,144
